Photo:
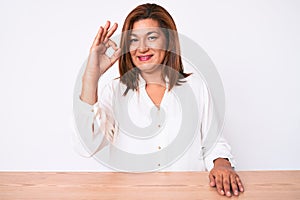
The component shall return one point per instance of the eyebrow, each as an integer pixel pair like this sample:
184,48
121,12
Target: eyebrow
149,33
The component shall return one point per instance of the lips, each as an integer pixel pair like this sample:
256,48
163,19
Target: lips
145,57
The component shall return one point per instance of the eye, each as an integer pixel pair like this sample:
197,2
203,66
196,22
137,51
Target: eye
132,40
152,38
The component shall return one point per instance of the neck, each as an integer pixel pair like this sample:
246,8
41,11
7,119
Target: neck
153,78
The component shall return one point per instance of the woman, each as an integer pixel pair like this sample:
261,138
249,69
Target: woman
150,69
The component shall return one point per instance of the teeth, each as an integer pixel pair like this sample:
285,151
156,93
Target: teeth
144,58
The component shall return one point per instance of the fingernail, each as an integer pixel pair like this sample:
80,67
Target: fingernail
228,194
222,192
236,192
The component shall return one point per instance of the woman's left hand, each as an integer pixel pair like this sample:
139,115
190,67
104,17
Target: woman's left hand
225,178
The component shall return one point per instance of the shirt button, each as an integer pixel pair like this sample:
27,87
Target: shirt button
158,125
158,164
159,147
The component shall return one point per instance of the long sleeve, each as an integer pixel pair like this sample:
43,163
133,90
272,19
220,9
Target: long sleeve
95,123
221,149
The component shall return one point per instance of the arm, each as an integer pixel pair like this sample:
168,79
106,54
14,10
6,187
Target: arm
219,161
86,109
98,62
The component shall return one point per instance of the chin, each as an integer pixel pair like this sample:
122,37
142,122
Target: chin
148,67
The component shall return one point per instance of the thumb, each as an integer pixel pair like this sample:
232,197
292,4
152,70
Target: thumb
212,181
115,56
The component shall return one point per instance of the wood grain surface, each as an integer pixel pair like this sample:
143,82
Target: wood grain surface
283,185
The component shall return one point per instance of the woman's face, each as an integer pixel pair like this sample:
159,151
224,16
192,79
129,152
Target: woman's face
147,45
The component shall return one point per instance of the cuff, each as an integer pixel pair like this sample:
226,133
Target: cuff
218,152
86,108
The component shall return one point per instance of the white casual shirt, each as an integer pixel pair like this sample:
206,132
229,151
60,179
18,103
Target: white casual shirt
98,120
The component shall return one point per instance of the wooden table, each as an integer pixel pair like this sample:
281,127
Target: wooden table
283,185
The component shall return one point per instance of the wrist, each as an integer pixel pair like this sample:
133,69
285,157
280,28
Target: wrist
89,90
222,162
89,97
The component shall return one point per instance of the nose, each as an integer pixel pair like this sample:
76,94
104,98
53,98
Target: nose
143,47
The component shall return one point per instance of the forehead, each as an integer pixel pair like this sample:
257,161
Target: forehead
145,23
144,26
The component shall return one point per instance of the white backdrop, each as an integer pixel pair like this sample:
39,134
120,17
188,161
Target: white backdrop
255,46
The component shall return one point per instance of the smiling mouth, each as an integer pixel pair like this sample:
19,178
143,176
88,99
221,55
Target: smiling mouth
144,58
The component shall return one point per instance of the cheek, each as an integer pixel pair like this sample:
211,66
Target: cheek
161,55
158,46
132,54
133,48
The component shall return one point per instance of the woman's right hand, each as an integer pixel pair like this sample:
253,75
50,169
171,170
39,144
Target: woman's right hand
98,62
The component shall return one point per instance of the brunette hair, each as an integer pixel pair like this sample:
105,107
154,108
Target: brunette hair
172,57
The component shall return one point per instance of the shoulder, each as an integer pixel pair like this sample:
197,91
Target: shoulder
112,86
196,82
196,79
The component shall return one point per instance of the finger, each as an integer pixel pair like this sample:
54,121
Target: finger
212,181
115,56
219,184
105,29
112,44
226,185
234,185
98,36
240,184
112,30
